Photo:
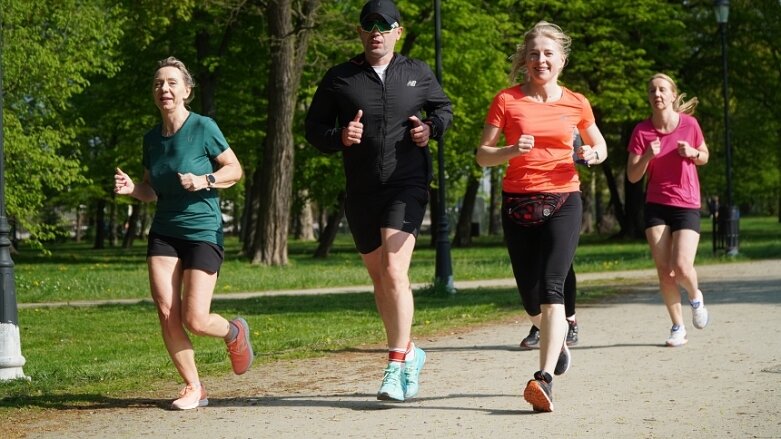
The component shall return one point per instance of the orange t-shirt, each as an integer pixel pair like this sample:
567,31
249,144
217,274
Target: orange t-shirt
549,166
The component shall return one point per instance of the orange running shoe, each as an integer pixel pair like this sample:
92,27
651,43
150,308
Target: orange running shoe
240,349
539,392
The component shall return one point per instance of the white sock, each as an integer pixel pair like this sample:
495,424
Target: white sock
410,354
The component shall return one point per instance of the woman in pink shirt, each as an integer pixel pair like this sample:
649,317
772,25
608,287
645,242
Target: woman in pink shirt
668,147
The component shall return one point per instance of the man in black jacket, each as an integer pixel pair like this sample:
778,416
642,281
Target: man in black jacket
370,109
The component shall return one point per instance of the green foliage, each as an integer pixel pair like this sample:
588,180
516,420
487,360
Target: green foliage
76,79
48,53
77,272
474,69
754,101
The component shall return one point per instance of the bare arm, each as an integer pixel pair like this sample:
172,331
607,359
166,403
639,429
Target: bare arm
636,165
488,154
142,191
230,171
594,149
226,175
697,155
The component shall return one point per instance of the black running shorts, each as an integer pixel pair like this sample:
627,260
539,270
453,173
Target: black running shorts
398,208
200,255
678,218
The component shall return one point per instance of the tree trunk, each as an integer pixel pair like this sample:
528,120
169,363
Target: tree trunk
304,220
249,217
635,200
630,217
145,220
287,54
112,221
100,225
463,236
495,202
79,222
328,235
589,196
208,76
132,225
615,199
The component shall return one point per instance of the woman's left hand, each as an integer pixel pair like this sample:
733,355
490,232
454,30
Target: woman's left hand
588,154
685,150
191,182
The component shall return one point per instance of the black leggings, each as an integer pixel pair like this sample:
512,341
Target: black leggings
570,291
542,256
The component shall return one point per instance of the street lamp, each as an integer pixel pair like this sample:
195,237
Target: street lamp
11,359
443,275
729,215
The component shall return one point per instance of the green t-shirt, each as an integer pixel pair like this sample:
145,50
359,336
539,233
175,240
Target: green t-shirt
182,214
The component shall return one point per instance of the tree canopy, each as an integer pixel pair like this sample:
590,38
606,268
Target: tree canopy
76,86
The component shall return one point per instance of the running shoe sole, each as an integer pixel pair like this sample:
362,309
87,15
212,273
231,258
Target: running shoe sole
668,343
564,362
535,395
201,403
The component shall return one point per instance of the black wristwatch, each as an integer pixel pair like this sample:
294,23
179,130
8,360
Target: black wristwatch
210,180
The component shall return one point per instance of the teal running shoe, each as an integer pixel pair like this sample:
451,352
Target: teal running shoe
392,388
412,373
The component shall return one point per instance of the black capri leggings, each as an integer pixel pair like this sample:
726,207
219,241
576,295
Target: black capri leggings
541,256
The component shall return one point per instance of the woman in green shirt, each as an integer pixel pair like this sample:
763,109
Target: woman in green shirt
185,157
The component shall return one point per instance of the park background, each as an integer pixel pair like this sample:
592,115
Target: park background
76,81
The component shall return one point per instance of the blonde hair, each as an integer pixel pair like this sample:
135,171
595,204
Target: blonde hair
679,105
541,29
188,78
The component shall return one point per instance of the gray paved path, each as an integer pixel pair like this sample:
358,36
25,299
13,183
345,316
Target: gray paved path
726,382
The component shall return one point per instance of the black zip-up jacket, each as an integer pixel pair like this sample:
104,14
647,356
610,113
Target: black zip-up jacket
386,155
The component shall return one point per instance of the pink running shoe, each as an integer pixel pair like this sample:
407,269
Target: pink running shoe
192,396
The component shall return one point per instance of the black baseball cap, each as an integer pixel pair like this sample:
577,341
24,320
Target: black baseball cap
384,8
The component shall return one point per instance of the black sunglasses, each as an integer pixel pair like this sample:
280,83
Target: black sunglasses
381,25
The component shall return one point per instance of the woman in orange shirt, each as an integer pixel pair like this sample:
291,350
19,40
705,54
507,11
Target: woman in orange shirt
541,206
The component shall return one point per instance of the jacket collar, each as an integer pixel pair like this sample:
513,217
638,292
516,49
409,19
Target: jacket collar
360,60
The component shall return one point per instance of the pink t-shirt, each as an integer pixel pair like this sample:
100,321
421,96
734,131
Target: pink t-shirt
672,179
549,166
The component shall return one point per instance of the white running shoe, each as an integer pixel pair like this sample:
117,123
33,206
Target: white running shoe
677,336
700,315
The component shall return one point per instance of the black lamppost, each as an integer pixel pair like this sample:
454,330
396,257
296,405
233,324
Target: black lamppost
443,277
11,359
729,215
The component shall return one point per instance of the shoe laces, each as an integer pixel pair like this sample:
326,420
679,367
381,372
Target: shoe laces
235,347
410,372
391,376
189,389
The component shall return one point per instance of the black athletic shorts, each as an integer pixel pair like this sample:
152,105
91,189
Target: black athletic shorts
398,208
678,218
200,255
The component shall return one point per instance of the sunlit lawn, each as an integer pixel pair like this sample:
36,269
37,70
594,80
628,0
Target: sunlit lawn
81,355
76,272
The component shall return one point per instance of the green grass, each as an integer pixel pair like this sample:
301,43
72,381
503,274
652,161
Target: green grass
76,272
112,349
87,355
